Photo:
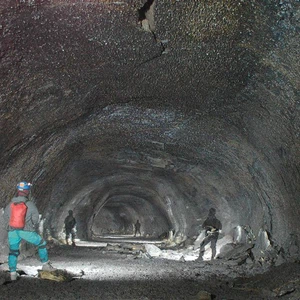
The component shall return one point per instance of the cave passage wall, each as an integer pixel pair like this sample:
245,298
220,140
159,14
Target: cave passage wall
152,110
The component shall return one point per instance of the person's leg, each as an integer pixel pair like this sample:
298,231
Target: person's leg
14,243
37,240
202,247
213,246
73,235
68,232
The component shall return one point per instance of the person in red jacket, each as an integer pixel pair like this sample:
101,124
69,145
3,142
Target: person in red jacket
22,217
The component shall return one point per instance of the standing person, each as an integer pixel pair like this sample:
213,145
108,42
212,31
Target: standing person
137,227
70,224
212,227
21,217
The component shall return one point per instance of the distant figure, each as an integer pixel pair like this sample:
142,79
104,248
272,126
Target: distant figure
70,224
22,217
212,227
137,227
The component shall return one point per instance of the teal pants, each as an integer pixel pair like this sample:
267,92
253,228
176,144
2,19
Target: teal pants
14,239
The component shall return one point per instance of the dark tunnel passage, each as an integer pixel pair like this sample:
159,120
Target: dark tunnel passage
119,216
114,203
154,111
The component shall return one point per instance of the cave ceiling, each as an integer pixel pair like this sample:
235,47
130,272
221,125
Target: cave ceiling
181,103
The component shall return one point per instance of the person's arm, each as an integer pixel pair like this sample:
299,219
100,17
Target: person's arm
220,228
33,211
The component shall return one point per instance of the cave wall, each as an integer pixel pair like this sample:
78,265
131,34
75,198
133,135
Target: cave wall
186,106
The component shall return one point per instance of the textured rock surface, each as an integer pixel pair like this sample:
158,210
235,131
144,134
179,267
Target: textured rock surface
115,276
157,119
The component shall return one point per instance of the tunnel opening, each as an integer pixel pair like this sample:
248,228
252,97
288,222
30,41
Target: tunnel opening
119,214
115,199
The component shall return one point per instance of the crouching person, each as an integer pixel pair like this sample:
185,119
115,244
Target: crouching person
21,217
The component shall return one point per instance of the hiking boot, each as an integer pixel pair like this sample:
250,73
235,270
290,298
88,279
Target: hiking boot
13,276
73,244
200,258
48,267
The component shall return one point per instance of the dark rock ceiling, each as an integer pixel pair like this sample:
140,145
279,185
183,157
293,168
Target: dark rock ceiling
159,110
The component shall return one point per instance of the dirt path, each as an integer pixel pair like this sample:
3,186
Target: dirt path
110,275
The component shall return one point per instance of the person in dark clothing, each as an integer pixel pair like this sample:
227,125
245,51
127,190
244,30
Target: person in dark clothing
137,227
70,223
212,227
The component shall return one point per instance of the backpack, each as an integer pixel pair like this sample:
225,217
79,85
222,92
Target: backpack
17,215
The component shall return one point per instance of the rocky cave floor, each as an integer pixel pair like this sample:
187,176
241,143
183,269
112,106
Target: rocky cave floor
100,274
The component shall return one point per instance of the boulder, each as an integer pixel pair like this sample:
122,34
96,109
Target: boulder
266,250
152,250
56,275
202,295
238,252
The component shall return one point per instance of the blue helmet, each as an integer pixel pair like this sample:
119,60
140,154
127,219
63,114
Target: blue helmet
23,185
